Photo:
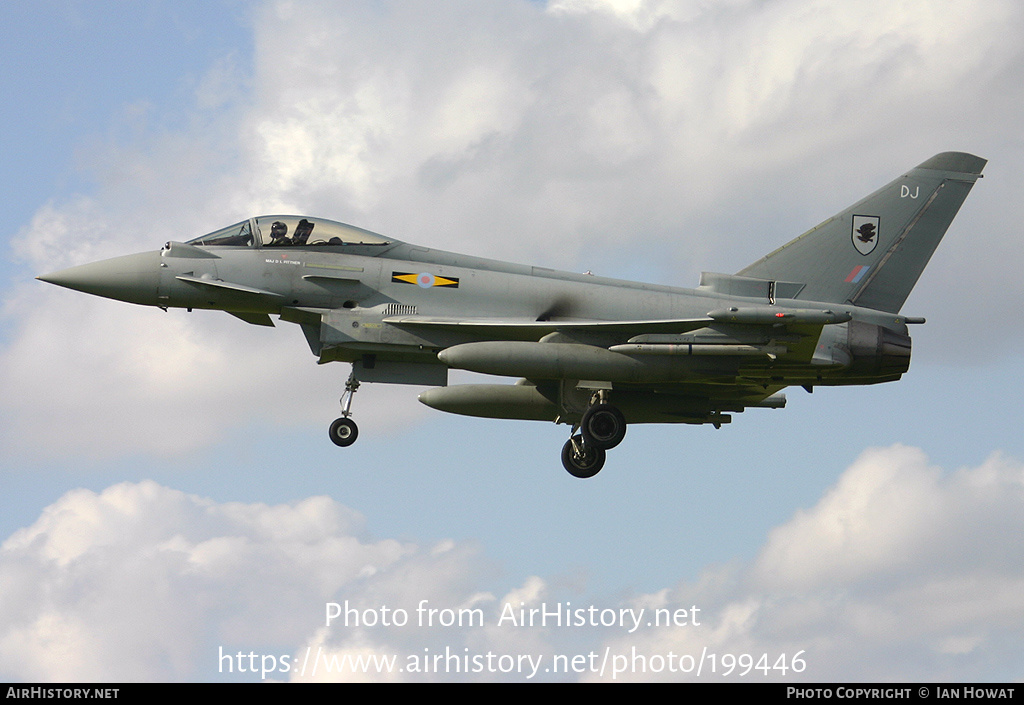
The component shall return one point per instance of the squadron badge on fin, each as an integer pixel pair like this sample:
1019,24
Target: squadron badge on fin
865,233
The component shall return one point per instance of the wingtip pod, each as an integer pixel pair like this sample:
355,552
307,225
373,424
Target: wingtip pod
960,162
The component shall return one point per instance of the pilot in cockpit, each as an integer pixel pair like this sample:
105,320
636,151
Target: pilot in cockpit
279,234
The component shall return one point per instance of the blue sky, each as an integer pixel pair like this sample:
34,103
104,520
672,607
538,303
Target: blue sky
169,488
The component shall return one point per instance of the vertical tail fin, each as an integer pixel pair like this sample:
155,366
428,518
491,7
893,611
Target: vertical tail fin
872,253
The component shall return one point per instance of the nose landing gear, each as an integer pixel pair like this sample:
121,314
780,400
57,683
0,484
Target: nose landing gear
343,431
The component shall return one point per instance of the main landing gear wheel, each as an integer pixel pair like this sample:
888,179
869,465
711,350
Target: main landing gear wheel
581,460
344,432
603,426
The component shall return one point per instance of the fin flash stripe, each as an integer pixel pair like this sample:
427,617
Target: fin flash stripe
857,273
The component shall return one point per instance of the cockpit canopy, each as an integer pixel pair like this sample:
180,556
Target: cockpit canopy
289,231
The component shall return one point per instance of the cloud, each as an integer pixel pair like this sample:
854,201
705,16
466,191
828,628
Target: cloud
891,513
902,571
137,582
658,136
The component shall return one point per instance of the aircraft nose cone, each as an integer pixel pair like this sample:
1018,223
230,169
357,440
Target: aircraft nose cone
133,278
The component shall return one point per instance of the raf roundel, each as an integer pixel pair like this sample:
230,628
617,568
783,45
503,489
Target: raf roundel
425,280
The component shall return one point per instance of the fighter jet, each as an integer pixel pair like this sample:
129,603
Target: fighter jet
593,353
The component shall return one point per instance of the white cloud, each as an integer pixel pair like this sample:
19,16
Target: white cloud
891,513
879,514
900,572
667,136
639,15
137,582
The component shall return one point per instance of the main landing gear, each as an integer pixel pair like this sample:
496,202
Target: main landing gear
581,460
344,431
602,428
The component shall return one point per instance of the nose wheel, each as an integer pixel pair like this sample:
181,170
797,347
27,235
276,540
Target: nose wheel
343,431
